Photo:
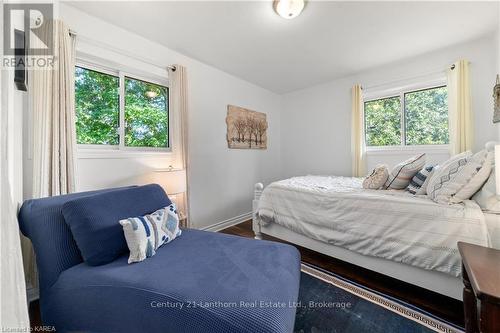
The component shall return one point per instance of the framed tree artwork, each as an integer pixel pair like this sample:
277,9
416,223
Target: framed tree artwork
246,129
496,101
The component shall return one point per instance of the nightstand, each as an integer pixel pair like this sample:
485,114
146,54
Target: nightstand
481,295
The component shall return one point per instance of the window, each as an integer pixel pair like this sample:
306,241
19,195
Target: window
146,114
426,113
140,121
383,122
97,107
411,118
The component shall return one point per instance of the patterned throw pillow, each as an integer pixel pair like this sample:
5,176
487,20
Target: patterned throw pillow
423,188
145,234
418,183
377,178
401,175
477,181
453,175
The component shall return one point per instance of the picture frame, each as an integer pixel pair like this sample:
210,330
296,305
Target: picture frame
496,101
246,129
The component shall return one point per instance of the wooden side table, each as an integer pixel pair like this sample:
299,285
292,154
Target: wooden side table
481,295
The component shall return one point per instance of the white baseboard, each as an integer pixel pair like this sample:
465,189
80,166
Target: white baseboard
229,222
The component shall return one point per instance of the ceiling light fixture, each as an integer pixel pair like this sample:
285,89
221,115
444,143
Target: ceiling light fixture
288,9
151,94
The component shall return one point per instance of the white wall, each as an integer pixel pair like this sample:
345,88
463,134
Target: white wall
221,180
315,123
309,129
498,54
498,41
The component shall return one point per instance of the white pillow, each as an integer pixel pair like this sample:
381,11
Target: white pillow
377,178
434,182
145,234
476,182
486,197
402,173
453,175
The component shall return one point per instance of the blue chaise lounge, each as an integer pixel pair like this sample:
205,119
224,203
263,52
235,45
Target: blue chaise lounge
200,282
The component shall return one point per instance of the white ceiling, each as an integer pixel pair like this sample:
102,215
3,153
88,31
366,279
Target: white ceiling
327,41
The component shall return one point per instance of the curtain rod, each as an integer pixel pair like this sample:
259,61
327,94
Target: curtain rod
121,51
440,71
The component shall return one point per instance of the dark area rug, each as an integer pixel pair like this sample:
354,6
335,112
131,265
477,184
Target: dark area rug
329,303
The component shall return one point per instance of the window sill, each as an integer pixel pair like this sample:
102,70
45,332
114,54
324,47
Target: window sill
394,150
110,153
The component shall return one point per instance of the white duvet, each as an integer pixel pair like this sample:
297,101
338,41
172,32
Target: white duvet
393,225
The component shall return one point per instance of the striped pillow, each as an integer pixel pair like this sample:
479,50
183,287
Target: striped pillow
145,234
420,180
401,175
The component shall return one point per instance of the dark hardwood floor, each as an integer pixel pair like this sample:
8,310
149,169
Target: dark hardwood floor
34,313
436,304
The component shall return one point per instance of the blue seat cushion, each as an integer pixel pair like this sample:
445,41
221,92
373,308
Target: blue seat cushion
94,220
200,282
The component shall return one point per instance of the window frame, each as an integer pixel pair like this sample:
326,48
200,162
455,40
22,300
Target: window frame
120,150
400,92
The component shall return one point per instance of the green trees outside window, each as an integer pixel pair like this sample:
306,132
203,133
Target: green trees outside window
98,113
426,113
413,118
146,114
97,107
383,122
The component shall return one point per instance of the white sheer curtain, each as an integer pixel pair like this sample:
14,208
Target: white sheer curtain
14,309
52,102
179,107
461,119
53,107
13,303
357,132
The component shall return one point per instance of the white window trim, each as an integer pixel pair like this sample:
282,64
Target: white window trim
377,93
396,150
91,151
371,95
114,153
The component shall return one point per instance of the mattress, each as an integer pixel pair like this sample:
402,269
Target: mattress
200,282
391,224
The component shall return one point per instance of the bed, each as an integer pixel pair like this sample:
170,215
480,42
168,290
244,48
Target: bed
407,237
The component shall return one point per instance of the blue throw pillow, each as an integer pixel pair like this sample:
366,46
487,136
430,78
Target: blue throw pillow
418,184
94,220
